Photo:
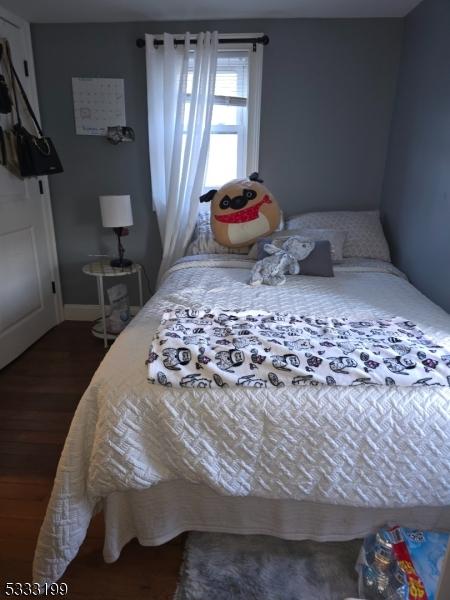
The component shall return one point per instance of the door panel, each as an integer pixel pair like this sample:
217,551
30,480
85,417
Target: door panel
27,302
22,297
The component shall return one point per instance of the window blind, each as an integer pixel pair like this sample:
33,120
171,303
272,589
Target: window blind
231,87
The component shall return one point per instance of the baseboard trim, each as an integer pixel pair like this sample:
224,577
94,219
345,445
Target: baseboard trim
87,312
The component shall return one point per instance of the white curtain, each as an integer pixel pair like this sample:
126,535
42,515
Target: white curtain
178,143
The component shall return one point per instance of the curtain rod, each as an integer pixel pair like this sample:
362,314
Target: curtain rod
264,40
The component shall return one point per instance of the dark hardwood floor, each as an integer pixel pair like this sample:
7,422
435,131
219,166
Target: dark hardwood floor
39,393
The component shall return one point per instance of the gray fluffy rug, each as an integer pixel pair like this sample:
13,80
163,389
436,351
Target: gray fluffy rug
239,567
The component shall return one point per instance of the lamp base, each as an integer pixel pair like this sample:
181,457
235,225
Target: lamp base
121,263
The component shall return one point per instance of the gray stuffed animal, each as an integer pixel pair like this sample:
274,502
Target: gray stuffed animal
271,270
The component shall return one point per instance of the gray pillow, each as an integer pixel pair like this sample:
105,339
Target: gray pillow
336,239
318,264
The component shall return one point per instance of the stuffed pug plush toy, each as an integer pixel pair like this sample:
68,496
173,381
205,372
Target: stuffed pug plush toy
242,211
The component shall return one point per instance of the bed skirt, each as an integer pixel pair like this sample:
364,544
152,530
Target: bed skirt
159,514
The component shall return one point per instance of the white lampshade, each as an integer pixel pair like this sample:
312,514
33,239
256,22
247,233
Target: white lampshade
116,211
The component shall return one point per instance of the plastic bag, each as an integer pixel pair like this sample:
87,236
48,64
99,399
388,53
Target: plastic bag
119,317
401,564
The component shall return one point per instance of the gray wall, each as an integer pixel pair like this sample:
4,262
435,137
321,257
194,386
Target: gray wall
416,198
328,92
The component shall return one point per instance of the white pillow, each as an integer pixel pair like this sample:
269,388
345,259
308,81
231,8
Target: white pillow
203,241
336,239
364,234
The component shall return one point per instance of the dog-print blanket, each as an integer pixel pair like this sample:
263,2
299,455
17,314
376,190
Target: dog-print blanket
193,348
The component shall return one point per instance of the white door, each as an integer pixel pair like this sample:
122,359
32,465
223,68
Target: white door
29,285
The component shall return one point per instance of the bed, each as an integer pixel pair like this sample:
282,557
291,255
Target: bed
319,462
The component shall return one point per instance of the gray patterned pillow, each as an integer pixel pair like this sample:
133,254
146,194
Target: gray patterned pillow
203,241
364,234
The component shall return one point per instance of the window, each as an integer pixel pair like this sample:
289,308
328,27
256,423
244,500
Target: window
234,140
228,140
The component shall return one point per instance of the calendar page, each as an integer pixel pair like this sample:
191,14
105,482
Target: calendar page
99,103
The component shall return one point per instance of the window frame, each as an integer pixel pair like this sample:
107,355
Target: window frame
240,128
248,149
255,67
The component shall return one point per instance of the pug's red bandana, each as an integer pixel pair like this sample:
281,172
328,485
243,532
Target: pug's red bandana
244,215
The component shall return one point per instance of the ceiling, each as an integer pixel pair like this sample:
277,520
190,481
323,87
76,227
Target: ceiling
82,11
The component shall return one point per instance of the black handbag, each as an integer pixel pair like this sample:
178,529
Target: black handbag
36,154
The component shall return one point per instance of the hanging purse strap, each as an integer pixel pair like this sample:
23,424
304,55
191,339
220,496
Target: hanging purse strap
5,53
2,147
15,78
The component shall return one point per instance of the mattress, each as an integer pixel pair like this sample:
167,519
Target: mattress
370,447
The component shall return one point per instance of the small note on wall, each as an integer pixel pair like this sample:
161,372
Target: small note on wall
98,103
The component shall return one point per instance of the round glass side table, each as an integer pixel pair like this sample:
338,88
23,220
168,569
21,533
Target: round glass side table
101,269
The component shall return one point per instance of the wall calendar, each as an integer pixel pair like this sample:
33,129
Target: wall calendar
99,103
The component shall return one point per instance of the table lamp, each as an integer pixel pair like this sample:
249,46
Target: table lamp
116,213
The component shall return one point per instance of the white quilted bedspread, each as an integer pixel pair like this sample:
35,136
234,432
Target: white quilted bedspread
370,446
